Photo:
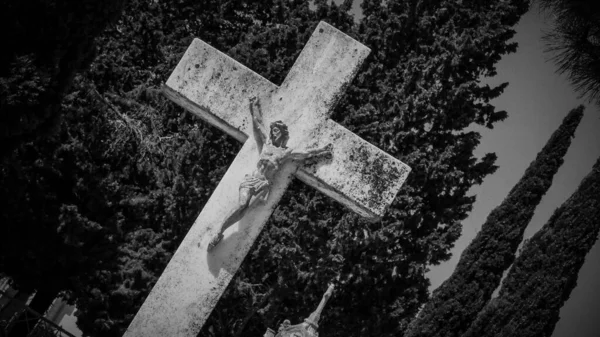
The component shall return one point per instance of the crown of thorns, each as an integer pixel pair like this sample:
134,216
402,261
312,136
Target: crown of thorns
281,126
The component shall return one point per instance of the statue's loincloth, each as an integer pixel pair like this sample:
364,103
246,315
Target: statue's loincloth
256,185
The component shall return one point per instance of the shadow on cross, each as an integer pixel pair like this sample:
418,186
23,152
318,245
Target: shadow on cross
224,254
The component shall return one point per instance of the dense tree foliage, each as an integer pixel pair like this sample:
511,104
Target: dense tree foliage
545,273
574,43
455,304
44,44
99,207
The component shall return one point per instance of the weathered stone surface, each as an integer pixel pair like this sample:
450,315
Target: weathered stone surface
216,88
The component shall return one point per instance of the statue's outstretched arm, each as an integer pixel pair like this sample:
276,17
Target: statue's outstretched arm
325,151
260,132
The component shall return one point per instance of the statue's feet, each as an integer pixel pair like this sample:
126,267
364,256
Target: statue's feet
215,241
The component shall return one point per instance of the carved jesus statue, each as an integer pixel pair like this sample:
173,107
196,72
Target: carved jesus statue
273,154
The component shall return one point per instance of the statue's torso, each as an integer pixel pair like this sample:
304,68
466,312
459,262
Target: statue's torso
271,158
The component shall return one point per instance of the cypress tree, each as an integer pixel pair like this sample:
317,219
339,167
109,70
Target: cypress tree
545,273
455,304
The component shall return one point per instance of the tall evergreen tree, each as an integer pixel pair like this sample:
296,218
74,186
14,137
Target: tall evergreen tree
455,304
545,273
574,43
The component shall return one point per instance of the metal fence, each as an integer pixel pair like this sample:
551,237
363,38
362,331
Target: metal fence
35,324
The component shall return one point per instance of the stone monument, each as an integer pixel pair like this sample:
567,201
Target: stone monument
310,326
216,88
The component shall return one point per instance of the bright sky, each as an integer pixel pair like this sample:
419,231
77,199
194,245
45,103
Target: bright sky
537,99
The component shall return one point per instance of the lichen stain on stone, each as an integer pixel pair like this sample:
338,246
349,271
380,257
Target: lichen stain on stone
377,174
196,318
195,322
216,75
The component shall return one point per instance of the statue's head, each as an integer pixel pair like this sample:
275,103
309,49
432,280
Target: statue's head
284,325
279,134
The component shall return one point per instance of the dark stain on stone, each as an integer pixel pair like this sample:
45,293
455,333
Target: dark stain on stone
376,173
197,66
321,30
194,324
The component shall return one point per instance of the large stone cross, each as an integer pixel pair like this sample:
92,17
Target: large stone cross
216,88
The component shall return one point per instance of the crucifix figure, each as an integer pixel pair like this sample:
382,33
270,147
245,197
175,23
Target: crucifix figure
273,154
216,88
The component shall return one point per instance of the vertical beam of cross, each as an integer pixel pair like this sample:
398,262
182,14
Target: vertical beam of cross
216,88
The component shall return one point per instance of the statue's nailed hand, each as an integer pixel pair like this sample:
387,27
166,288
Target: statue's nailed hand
328,151
325,152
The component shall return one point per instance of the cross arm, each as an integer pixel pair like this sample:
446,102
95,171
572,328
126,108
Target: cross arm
359,175
216,88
